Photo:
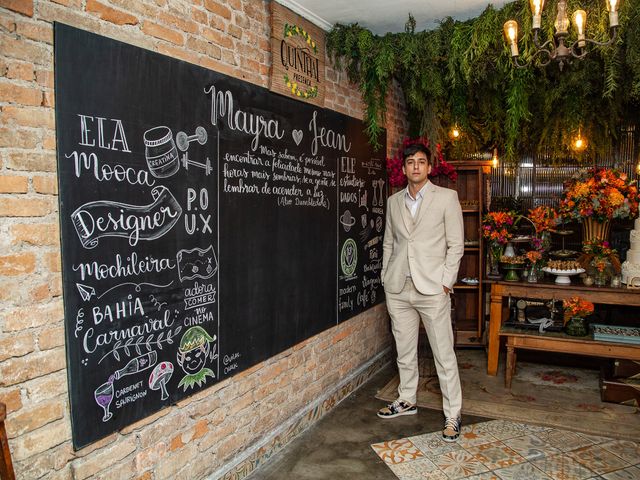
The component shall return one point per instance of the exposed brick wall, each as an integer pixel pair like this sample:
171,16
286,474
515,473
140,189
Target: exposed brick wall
209,430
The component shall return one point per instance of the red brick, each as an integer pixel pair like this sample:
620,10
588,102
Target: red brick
163,33
12,93
18,138
186,25
33,417
19,48
32,162
12,399
51,338
28,116
46,185
24,207
206,48
109,14
18,264
16,346
25,7
105,458
234,31
13,184
18,370
20,71
180,53
198,15
53,261
40,32
217,9
45,78
31,316
217,38
40,440
35,233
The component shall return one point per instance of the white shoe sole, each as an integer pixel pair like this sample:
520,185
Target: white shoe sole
406,412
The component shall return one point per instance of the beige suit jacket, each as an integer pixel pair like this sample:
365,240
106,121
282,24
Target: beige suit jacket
429,246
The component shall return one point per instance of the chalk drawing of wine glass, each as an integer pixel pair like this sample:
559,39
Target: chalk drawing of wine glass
104,396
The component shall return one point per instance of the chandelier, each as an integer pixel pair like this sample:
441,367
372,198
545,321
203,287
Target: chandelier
557,48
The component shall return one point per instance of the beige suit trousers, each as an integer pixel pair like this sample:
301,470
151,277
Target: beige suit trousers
406,309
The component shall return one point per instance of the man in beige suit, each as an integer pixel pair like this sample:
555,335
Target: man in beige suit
423,245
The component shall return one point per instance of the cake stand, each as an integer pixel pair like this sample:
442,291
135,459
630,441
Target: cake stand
563,253
562,276
512,274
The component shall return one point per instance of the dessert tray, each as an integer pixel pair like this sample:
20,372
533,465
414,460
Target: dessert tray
562,276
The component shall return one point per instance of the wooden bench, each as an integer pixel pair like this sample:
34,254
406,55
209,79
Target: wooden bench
562,343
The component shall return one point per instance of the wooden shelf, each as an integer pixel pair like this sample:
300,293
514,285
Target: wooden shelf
469,301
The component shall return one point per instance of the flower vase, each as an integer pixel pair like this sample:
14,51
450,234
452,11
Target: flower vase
592,229
600,272
576,327
532,276
495,253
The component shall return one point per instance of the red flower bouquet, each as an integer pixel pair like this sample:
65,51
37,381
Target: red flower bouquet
394,165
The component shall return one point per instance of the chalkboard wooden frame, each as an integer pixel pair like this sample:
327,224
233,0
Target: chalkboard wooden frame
206,224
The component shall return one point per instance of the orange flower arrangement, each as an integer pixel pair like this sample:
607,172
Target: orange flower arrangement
600,193
534,256
577,307
544,219
497,227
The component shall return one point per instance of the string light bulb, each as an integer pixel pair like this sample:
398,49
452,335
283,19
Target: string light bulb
455,133
494,159
579,143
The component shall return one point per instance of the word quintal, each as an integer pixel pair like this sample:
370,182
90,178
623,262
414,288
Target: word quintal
222,105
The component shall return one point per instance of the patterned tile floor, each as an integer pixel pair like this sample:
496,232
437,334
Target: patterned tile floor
505,450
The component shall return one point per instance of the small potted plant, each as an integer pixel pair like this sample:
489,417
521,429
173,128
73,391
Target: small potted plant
575,311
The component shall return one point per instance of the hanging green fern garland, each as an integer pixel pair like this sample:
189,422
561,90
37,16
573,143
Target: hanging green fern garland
462,73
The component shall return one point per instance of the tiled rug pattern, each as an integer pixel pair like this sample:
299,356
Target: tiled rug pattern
507,450
559,397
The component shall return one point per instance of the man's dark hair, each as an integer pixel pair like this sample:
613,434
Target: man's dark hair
413,149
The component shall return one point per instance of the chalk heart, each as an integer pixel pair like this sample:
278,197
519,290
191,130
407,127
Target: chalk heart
297,136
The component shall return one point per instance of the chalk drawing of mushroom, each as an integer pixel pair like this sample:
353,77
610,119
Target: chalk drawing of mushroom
160,377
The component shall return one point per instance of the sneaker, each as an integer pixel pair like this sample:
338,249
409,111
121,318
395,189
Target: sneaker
397,408
451,430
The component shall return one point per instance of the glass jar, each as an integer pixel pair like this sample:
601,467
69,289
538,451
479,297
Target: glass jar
576,327
532,276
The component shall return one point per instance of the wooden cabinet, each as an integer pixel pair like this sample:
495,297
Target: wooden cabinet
468,314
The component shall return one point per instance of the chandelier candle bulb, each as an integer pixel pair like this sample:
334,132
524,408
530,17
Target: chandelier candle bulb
511,33
579,20
536,10
612,6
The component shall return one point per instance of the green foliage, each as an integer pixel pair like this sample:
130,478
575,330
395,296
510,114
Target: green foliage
461,73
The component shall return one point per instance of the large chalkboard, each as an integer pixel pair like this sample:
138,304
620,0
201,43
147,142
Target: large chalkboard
206,223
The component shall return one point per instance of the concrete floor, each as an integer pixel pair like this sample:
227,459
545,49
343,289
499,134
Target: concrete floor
338,446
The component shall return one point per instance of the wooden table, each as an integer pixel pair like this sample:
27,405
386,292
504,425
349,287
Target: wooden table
546,291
